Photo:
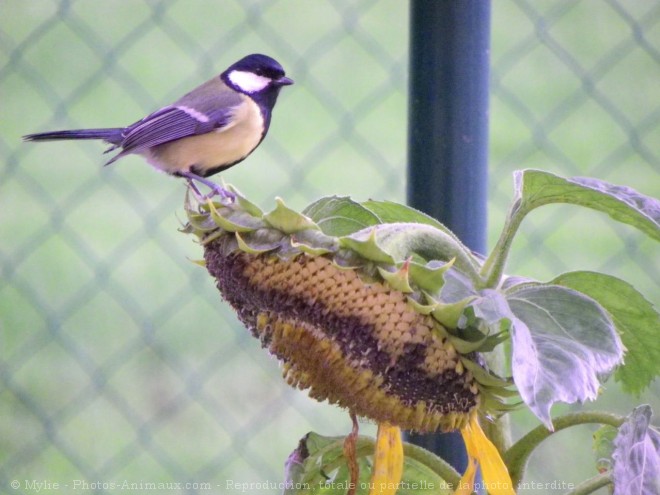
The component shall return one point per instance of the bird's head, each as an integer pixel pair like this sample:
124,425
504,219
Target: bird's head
256,74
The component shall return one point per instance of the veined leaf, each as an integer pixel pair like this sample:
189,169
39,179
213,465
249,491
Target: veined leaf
456,287
536,188
637,455
390,212
563,344
636,320
340,215
492,307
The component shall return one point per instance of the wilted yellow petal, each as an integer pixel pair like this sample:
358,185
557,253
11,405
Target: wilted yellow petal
388,461
466,485
495,474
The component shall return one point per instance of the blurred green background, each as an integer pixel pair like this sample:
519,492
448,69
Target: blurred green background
118,360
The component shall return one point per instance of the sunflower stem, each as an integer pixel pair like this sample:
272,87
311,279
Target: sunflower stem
493,267
517,456
592,484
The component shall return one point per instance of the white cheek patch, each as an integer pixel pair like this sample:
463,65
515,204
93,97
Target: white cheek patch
248,81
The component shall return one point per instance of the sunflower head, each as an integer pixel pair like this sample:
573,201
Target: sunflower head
356,319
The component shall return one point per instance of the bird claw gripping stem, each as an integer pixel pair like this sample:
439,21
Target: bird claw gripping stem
214,188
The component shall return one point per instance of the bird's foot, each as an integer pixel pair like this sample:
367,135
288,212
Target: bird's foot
226,197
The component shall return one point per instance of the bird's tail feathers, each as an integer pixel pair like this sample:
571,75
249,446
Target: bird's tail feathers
112,135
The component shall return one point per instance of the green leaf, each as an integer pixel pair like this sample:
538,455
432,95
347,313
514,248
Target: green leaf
318,467
637,455
535,188
635,318
294,469
456,287
492,307
390,212
563,344
340,215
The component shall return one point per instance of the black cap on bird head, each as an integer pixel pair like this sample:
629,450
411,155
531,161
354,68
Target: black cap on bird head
260,65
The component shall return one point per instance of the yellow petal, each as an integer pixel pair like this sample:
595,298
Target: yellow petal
466,485
388,461
495,474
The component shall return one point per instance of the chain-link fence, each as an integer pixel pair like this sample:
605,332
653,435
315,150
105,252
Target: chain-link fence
118,361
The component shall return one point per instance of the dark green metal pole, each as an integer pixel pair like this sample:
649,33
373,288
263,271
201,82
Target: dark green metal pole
448,134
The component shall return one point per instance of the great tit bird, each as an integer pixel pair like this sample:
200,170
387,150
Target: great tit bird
210,129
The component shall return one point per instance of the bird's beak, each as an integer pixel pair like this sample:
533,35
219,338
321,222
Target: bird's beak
284,81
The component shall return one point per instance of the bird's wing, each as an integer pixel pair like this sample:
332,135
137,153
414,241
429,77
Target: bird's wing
170,123
214,108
